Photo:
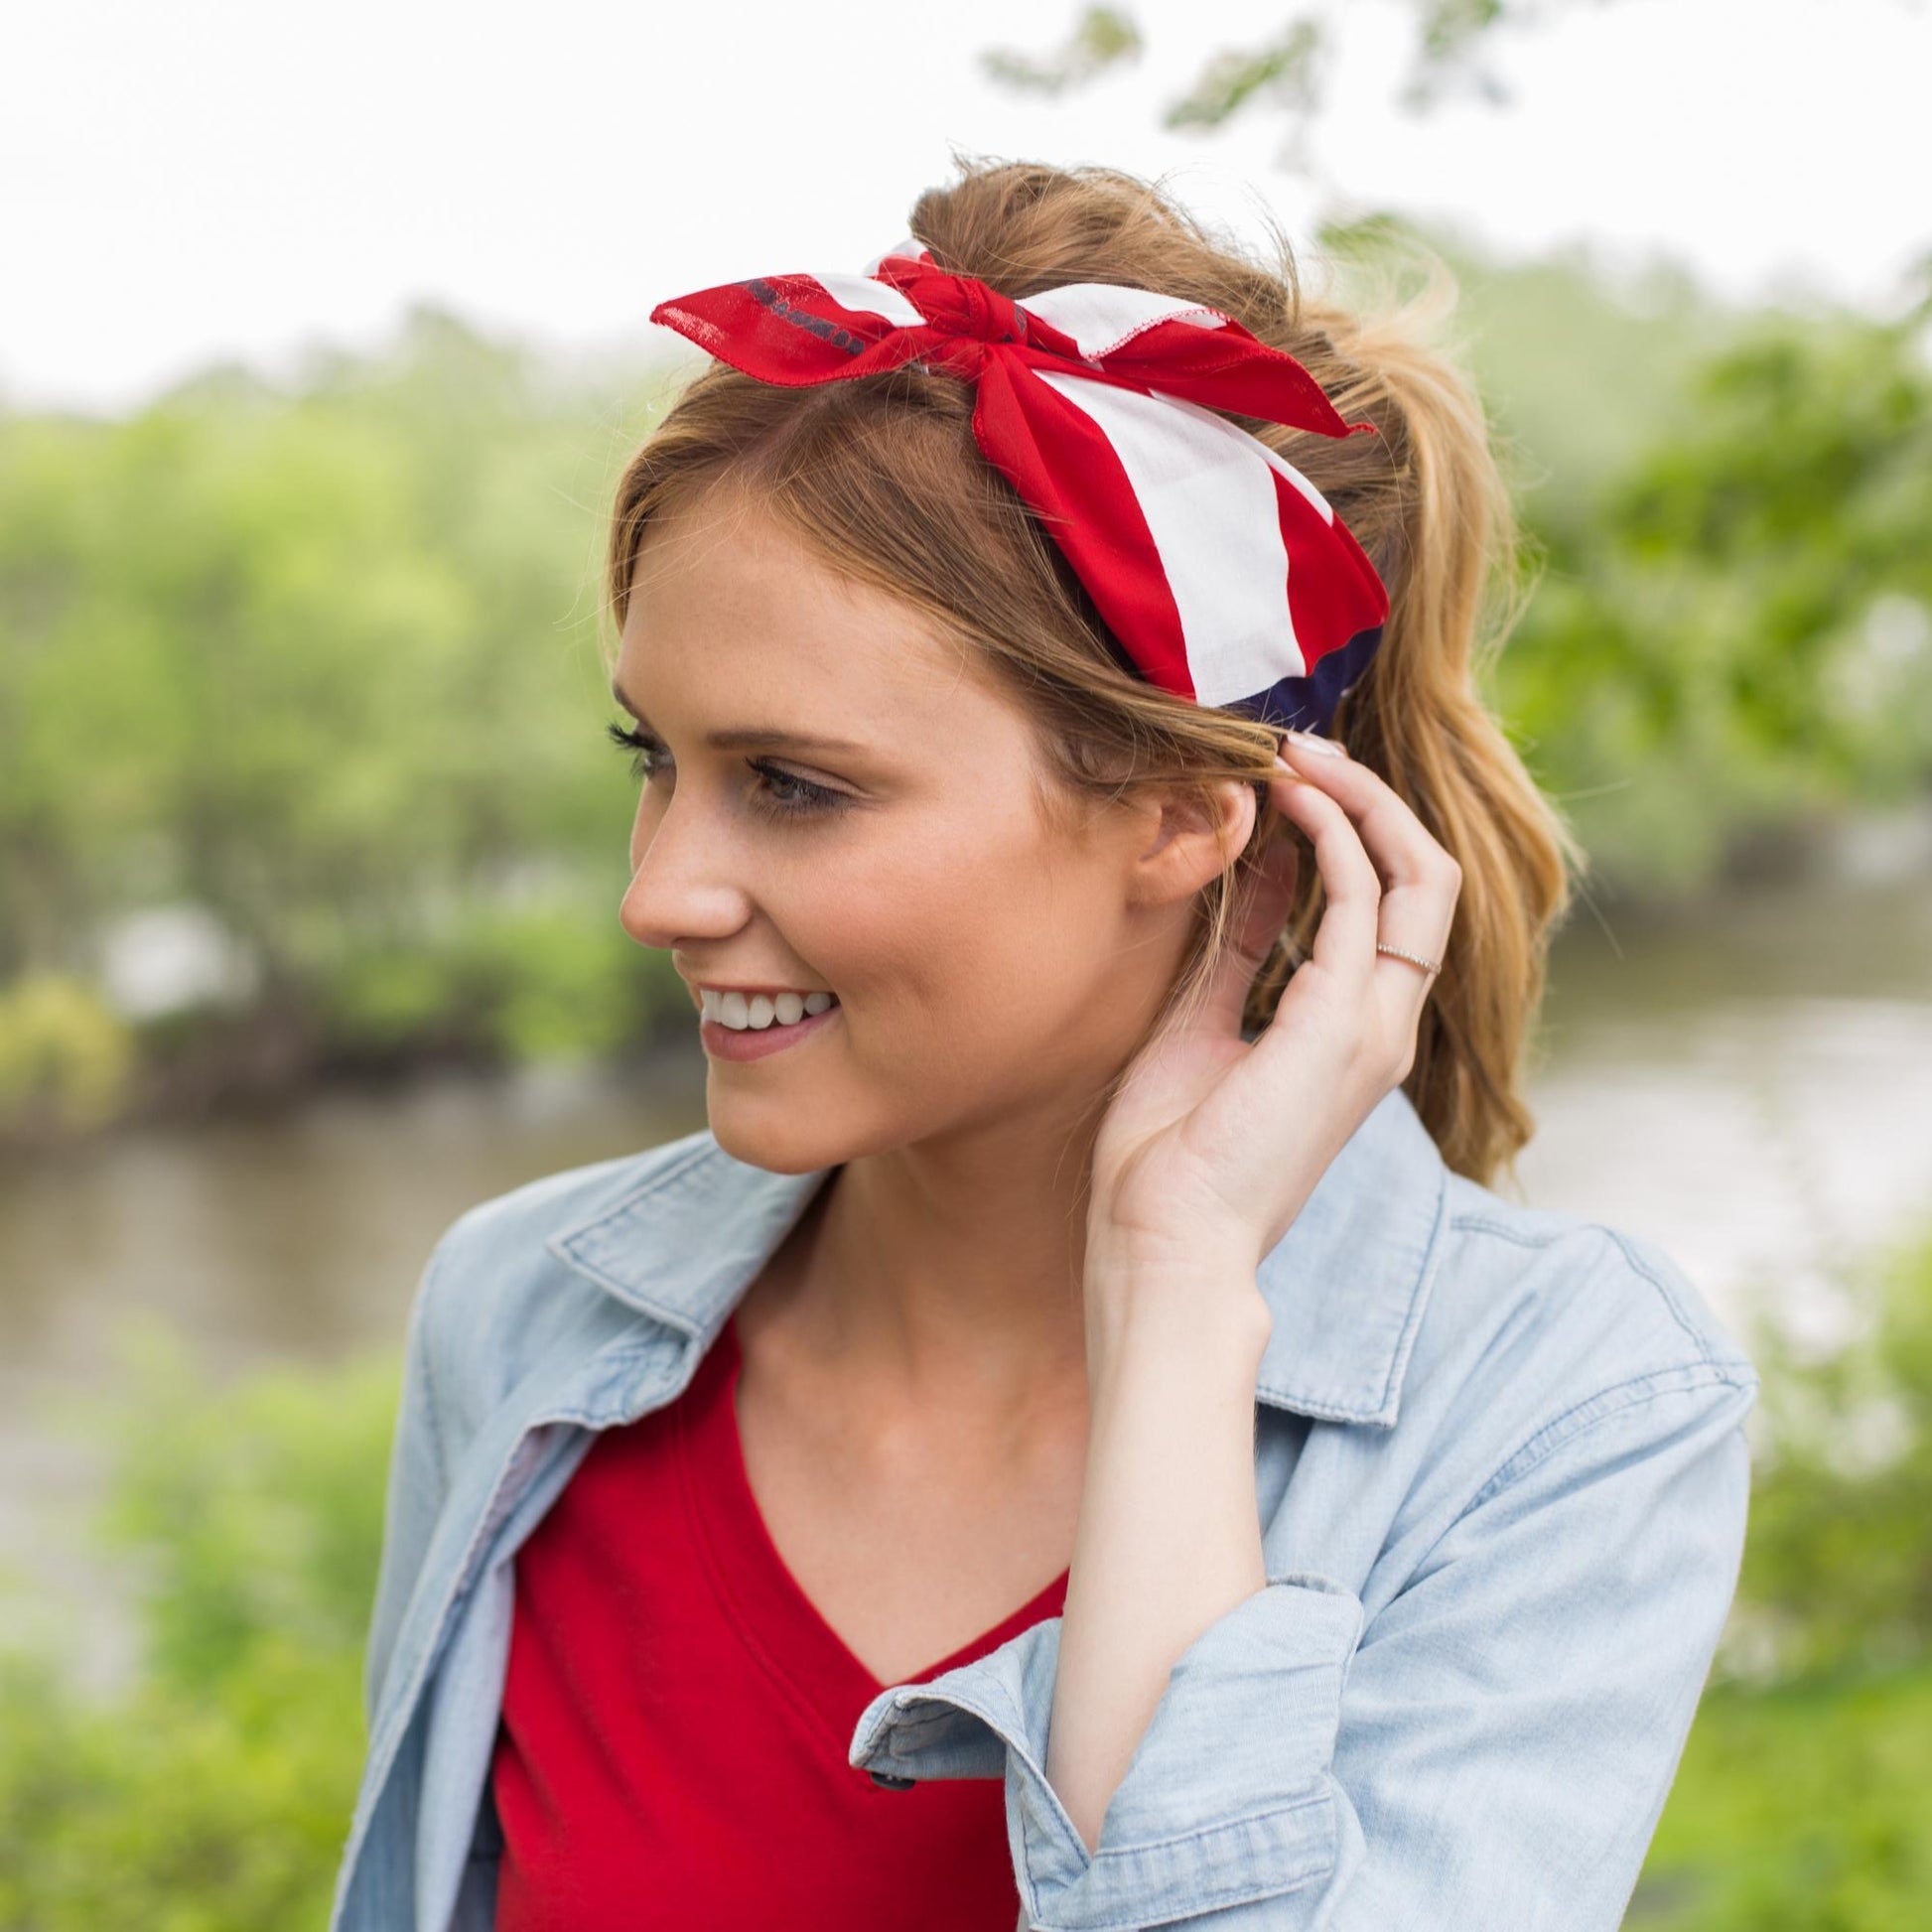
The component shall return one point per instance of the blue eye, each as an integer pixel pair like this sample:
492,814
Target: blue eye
785,796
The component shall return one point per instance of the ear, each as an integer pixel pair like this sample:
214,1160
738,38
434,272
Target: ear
1188,845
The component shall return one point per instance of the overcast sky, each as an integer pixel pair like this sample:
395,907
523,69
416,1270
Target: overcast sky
183,181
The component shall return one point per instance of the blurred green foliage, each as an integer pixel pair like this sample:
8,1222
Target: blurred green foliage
1840,1557
1740,635
213,1792
323,663
1799,1809
1728,631
66,1055
524,982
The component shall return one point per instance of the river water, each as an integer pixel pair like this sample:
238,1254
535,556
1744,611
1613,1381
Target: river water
1751,1085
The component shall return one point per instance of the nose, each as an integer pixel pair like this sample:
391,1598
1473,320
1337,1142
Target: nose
681,888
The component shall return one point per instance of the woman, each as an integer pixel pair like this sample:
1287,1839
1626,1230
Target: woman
1076,1433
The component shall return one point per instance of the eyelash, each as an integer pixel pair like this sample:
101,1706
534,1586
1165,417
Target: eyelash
804,797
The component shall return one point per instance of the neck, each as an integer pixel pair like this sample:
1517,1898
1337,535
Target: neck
950,1270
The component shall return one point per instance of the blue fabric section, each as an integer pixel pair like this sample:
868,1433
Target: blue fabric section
1308,704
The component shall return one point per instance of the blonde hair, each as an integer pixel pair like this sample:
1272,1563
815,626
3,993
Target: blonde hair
880,476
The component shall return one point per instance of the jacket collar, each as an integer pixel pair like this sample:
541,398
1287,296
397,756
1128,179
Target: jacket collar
1347,1284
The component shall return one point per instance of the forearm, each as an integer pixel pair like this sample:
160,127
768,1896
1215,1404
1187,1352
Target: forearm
1168,1538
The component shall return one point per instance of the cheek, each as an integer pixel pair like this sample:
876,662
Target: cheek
964,939
895,935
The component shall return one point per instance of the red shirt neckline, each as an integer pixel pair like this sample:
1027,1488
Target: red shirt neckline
752,1577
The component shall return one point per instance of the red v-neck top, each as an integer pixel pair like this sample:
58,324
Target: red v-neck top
676,1713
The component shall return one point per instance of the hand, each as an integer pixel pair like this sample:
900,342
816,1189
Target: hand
1213,1144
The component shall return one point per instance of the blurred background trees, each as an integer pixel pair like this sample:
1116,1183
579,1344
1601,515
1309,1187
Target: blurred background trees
313,676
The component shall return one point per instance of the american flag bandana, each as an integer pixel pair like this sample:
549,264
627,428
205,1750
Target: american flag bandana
1221,571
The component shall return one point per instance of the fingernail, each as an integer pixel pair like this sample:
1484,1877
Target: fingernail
1306,741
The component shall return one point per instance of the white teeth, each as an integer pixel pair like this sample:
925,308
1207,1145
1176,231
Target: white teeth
754,1015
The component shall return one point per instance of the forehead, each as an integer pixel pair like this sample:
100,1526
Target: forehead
725,598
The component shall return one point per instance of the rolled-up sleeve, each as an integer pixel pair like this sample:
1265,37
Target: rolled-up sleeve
1491,1747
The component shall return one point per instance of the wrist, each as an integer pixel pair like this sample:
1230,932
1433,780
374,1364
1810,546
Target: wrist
1210,1315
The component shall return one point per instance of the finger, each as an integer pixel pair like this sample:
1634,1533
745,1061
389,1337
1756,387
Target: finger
1399,846
1345,939
1420,880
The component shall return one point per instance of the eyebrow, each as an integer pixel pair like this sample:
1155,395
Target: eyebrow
753,738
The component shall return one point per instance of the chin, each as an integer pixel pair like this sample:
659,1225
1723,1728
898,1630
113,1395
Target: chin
761,1137
782,1137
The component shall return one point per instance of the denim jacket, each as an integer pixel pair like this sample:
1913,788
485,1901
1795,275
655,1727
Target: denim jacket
1504,1480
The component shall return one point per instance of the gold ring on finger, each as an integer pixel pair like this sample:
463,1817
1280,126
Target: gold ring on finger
1396,952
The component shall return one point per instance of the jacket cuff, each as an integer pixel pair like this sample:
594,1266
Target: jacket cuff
1228,1798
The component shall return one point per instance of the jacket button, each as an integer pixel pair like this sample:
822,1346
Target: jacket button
885,1781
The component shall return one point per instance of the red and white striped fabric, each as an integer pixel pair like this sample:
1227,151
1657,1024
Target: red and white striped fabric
1221,571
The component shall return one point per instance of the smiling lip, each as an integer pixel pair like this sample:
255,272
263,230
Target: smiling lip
721,1042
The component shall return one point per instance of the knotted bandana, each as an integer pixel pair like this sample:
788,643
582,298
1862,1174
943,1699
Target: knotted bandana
1221,571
